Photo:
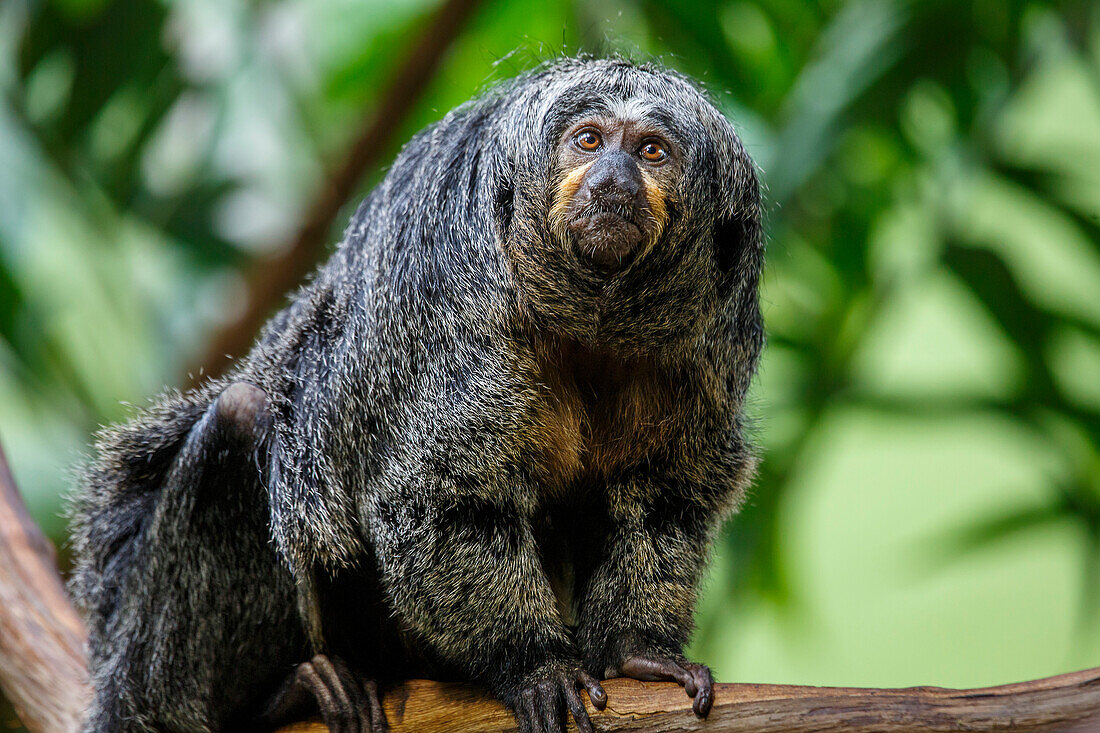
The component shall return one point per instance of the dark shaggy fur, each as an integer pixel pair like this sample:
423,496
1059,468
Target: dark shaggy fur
457,451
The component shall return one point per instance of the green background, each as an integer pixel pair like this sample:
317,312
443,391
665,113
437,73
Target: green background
928,507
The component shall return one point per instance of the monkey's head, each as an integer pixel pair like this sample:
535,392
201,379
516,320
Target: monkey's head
625,204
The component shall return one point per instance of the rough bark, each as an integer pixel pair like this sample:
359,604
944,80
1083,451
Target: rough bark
42,671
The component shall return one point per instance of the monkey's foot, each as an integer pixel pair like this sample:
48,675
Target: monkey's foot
694,678
541,702
348,703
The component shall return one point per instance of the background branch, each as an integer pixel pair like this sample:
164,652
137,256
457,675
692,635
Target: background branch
43,673
271,278
42,668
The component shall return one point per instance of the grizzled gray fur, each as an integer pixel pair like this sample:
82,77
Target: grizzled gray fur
491,440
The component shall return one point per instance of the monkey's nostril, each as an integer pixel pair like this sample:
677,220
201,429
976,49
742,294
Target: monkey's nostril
618,191
616,197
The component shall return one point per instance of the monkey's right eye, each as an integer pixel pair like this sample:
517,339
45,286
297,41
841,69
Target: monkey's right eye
587,140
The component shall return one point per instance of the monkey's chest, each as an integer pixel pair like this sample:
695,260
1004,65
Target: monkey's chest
589,429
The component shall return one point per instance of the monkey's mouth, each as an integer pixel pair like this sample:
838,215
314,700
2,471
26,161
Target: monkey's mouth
606,236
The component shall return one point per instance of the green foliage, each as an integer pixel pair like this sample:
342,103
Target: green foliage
928,508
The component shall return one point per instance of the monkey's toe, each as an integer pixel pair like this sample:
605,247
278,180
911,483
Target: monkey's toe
347,703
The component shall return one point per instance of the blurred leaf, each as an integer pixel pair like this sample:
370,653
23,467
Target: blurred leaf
952,545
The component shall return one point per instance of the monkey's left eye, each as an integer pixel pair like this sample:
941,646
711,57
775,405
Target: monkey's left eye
587,140
652,151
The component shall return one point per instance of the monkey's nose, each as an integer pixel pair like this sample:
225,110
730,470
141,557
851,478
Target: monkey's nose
615,177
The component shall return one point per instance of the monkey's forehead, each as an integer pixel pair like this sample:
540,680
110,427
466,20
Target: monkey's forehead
628,87
575,89
638,111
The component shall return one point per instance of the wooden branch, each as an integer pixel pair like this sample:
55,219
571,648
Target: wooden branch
42,671
1052,704
42,668
271,278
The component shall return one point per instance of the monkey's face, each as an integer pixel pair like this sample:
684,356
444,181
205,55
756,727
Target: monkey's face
610,202
625,205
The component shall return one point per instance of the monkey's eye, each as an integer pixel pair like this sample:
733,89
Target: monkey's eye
652,151
587,140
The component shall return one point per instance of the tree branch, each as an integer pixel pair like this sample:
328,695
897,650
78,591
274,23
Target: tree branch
272,277
1052,704
42,671
42,668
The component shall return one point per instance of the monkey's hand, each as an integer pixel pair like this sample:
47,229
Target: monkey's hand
694,678
541,699
348,703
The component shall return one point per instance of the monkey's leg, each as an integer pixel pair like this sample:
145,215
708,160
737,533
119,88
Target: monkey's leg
636,609
465,578
202,625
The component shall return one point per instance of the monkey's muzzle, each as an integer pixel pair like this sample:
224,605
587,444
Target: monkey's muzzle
606,238
607,213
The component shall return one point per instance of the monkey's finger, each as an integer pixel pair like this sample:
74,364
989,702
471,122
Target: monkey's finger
643,668
525,713
293,701
577,709
702,704
355,691
684,678
705,697
349,687
595,690
691,686
550,707
650,669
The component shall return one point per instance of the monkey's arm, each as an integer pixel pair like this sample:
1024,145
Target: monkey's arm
463,574
635,614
